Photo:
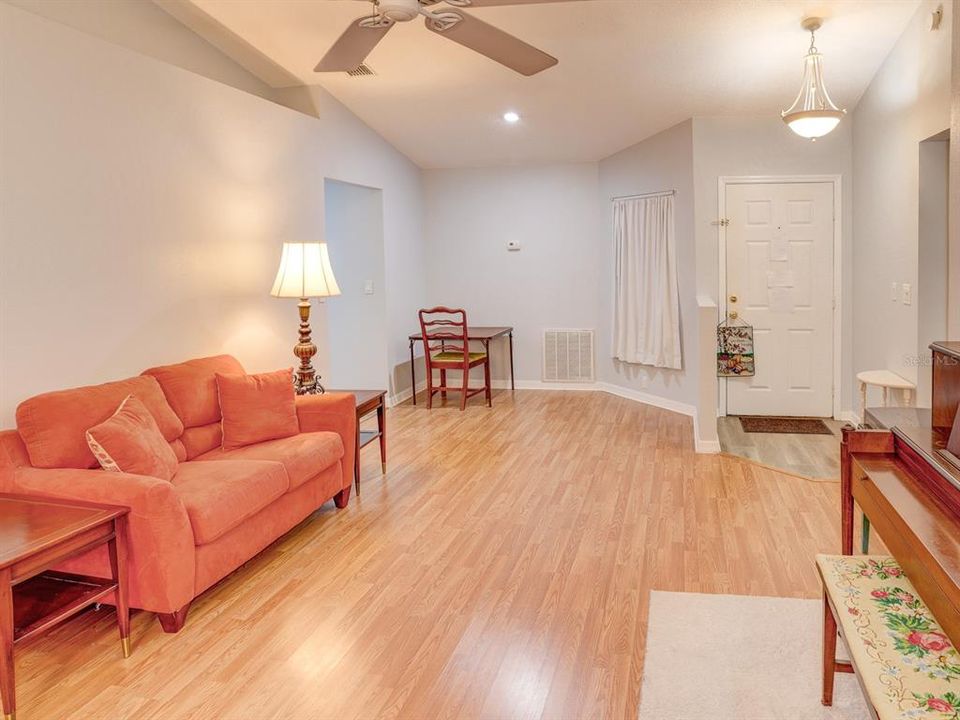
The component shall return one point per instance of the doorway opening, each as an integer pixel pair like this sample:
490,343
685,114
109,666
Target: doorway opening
932,268
779,274
355,354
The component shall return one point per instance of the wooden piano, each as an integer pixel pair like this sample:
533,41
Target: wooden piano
910,491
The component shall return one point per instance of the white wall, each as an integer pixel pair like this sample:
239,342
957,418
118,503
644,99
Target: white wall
550,282
661,162
356,321
763,146
907,102
142,209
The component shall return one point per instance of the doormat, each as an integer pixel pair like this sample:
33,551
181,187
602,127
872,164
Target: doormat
800,426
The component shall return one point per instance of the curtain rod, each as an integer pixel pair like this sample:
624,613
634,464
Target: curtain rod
644,195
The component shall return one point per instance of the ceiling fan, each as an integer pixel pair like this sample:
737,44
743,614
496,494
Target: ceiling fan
352,48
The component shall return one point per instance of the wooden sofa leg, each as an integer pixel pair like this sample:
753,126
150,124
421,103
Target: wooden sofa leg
829,652
343,497
174,622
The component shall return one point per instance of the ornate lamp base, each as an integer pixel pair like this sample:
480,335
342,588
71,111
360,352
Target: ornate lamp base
306,381
303,389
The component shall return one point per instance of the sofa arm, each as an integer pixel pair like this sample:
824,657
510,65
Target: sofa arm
159,536
333,412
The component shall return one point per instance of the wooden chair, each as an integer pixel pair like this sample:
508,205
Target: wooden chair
446,347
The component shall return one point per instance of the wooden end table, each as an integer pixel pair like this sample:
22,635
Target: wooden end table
369,401
35,535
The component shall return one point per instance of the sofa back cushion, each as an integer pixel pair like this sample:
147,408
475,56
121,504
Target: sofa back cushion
191,388
129,441
202,439
53,426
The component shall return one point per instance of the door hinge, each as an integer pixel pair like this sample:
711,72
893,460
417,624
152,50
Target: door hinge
722,222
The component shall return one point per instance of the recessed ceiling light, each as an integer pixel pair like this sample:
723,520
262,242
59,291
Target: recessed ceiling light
511,117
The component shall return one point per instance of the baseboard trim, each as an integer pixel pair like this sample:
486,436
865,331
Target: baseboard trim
700,445
648,399
404,395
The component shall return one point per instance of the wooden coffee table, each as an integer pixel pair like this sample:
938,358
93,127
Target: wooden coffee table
35,535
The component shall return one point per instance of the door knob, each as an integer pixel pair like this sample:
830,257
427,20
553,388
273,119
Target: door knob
733,298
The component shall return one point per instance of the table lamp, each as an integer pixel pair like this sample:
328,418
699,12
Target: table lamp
305,273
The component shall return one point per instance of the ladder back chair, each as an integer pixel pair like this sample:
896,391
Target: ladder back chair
446,347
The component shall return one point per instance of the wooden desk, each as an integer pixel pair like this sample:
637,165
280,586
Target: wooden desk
36,535
369,401
480,333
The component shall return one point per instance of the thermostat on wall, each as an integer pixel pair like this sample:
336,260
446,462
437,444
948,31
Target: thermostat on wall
513,244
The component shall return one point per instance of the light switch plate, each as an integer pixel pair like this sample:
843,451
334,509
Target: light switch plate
906,292
894,291
368,287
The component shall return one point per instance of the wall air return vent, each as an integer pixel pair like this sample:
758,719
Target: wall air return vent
361,71
568,356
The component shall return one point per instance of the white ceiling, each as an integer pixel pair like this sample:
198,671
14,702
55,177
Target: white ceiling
628,69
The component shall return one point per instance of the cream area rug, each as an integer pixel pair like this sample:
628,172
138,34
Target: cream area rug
733,657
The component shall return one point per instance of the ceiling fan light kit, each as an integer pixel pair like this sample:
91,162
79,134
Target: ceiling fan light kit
813,114
352,47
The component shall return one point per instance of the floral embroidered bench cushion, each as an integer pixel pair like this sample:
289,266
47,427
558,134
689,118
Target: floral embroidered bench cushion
906,663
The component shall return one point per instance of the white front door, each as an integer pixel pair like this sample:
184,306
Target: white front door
780,270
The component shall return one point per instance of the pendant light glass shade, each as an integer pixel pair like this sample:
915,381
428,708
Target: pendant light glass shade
813,113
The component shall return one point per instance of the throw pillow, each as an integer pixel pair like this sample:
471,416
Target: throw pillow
130,441
257,407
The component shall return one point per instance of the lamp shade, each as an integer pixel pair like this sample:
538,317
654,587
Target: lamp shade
305,272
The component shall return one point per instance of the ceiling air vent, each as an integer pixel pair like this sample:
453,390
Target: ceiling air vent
362,70
568,356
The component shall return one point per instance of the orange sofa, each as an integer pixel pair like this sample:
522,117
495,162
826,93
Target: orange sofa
220,509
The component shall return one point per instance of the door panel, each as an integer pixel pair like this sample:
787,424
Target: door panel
780,268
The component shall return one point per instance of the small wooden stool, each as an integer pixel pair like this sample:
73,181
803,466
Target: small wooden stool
885,379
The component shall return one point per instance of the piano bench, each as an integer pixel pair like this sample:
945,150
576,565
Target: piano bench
905,663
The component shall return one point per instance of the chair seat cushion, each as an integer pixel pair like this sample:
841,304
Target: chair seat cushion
456,356
304,456
906,663
218,496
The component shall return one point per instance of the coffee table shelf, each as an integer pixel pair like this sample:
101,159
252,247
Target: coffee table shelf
51,597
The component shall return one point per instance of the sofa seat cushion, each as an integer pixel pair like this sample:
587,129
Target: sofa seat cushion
907,665
219,496
304,456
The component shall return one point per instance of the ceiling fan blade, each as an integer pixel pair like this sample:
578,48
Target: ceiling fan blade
352,48
490,41
491,3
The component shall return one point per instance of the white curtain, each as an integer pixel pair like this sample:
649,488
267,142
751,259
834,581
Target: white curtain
646,326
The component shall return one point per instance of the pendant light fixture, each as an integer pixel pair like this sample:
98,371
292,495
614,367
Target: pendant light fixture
813,113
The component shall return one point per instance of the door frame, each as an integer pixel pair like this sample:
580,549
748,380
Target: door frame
722,182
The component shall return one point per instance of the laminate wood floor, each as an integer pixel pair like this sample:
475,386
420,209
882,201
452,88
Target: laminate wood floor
813,456
501,569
